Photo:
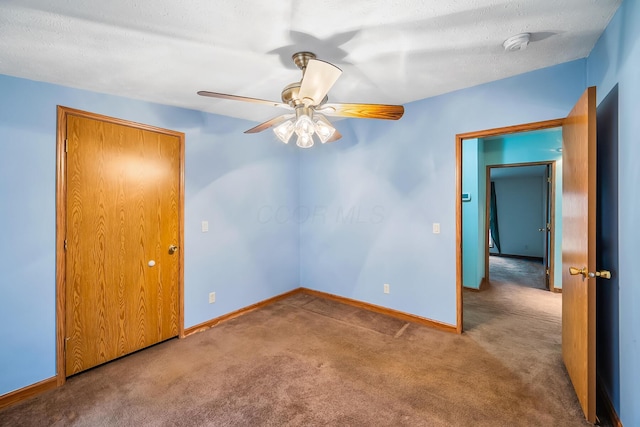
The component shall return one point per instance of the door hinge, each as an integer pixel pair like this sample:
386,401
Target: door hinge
549,180
66,145
547,271
65,244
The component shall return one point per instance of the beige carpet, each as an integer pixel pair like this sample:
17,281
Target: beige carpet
521,324
307,361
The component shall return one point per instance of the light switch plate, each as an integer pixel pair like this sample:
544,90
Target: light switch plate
436,228
205,226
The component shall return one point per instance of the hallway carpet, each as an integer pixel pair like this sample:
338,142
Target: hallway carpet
309,361
524,272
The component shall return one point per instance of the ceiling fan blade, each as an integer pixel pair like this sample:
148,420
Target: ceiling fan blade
363,111
319,77
242,98
269,123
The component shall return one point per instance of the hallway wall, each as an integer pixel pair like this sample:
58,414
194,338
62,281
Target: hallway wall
613,66
520,214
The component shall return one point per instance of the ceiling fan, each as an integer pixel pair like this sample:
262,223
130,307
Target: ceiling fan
308,105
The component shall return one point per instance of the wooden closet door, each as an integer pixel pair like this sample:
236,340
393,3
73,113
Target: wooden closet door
122,279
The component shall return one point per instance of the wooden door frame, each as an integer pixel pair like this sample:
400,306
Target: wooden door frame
459,139
61,226
552,221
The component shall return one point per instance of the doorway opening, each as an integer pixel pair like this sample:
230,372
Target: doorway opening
520,225
472,194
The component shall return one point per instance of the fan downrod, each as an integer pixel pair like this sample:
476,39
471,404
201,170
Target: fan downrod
301,59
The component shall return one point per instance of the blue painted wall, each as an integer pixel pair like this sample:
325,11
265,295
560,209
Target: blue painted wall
607,252
614,65
231,178
528,147
472,215
482,242
521,208
400,177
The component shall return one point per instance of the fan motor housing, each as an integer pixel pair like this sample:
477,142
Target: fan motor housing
290,94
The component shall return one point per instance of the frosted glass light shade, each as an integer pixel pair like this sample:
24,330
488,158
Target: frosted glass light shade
324,130
284,131
304,125
305,140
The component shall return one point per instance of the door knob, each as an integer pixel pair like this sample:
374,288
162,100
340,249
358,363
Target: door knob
575,271
605,274
172,249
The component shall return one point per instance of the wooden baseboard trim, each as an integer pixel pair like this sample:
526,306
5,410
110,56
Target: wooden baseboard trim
27,392
364,305
608,406
383,310
484,285
216,321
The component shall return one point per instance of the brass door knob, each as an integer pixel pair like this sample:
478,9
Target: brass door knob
605,274
574,271
172,249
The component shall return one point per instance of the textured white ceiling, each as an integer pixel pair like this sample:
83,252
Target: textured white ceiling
390,51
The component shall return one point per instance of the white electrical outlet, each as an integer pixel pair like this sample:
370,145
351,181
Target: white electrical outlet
212,297
385,288
205,226
436,228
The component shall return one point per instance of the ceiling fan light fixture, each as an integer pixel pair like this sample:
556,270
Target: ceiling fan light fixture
284,130
304,126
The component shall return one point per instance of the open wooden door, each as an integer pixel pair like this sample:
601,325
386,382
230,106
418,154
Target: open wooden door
579,250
